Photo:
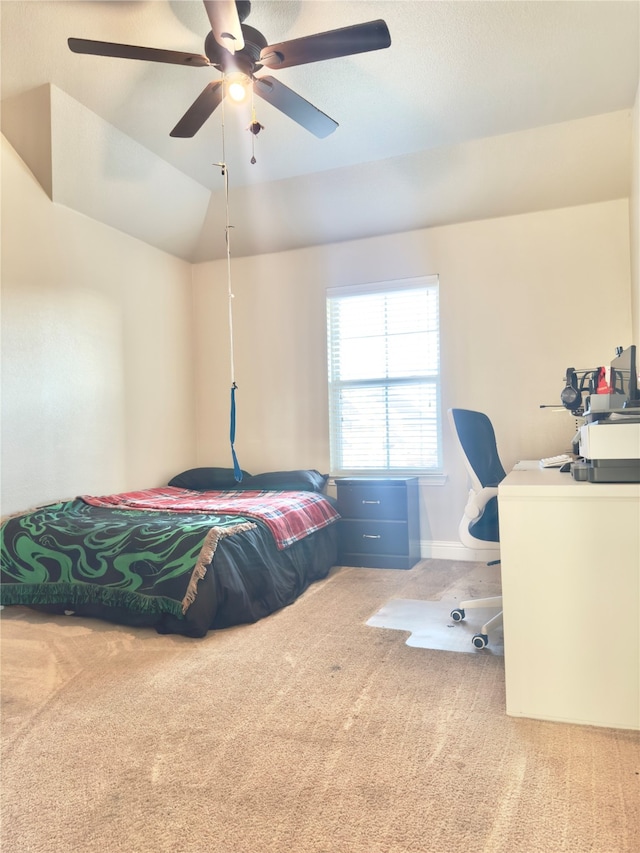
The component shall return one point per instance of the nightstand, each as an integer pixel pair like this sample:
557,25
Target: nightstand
380,523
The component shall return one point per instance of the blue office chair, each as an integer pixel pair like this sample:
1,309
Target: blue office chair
479,528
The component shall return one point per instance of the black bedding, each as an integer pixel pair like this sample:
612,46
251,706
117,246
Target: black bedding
250,580
180,560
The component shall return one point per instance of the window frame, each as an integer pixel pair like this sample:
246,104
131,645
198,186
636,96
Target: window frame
433,474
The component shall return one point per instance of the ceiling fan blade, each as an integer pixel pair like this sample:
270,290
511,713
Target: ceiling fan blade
347,41
130,51
294,106
199,111
225,23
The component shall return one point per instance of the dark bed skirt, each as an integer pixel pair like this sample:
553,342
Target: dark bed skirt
249,579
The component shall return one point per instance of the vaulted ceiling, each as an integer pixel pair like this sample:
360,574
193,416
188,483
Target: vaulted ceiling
477,109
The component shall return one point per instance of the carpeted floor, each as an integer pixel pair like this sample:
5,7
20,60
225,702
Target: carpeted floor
308,732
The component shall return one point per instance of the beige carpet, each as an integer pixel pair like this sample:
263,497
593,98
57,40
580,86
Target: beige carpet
308,732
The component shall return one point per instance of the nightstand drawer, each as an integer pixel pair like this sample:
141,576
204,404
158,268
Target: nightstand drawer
371,501
373,537
379,526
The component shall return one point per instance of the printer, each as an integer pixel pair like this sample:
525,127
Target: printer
610,448
609,440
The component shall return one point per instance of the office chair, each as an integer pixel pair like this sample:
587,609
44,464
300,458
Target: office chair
479,527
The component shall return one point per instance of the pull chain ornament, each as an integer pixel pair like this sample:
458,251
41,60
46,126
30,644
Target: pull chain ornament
255,127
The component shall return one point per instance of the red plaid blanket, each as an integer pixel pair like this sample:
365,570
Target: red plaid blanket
290,516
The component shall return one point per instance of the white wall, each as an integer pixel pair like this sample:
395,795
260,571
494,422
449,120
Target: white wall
522,298
634,218
113,378
97,353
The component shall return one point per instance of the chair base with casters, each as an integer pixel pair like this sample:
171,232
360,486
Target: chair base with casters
475,509
481,639
479,527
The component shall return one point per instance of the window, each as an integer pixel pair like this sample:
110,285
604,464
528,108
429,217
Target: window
384,384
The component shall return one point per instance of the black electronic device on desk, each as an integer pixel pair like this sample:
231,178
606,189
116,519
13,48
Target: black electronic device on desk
608,442
624,376
610,436
380,523
621,396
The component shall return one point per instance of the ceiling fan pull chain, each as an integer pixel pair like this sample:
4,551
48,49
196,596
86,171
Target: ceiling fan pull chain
255,127
254,122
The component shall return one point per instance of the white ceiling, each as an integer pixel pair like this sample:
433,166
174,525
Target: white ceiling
436,128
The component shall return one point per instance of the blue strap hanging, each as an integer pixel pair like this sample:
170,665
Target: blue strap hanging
237,471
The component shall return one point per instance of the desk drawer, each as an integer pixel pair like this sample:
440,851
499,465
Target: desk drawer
373,537
370,501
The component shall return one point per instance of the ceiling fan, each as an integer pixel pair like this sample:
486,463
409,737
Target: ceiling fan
236,49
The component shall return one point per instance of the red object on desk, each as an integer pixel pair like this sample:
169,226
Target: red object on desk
602,386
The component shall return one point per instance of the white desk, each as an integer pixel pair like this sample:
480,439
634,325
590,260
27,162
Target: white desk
570,561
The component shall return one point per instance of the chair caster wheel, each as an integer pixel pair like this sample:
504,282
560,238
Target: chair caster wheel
457,615
480,641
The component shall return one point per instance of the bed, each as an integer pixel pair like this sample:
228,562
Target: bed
201,553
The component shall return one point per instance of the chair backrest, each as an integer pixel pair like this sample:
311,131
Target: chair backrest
480,525
477,440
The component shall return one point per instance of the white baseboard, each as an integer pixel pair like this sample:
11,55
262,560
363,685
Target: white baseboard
431,549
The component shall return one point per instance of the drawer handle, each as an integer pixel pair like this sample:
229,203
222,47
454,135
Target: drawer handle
370,536
371,502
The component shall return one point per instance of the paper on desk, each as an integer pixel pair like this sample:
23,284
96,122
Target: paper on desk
527,465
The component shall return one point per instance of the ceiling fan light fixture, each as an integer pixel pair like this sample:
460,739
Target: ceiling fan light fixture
237,88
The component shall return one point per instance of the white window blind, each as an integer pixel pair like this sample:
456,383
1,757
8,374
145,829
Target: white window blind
384,383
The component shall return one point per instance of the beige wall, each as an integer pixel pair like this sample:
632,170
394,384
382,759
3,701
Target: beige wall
97,353
634,219
116,375
522,298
